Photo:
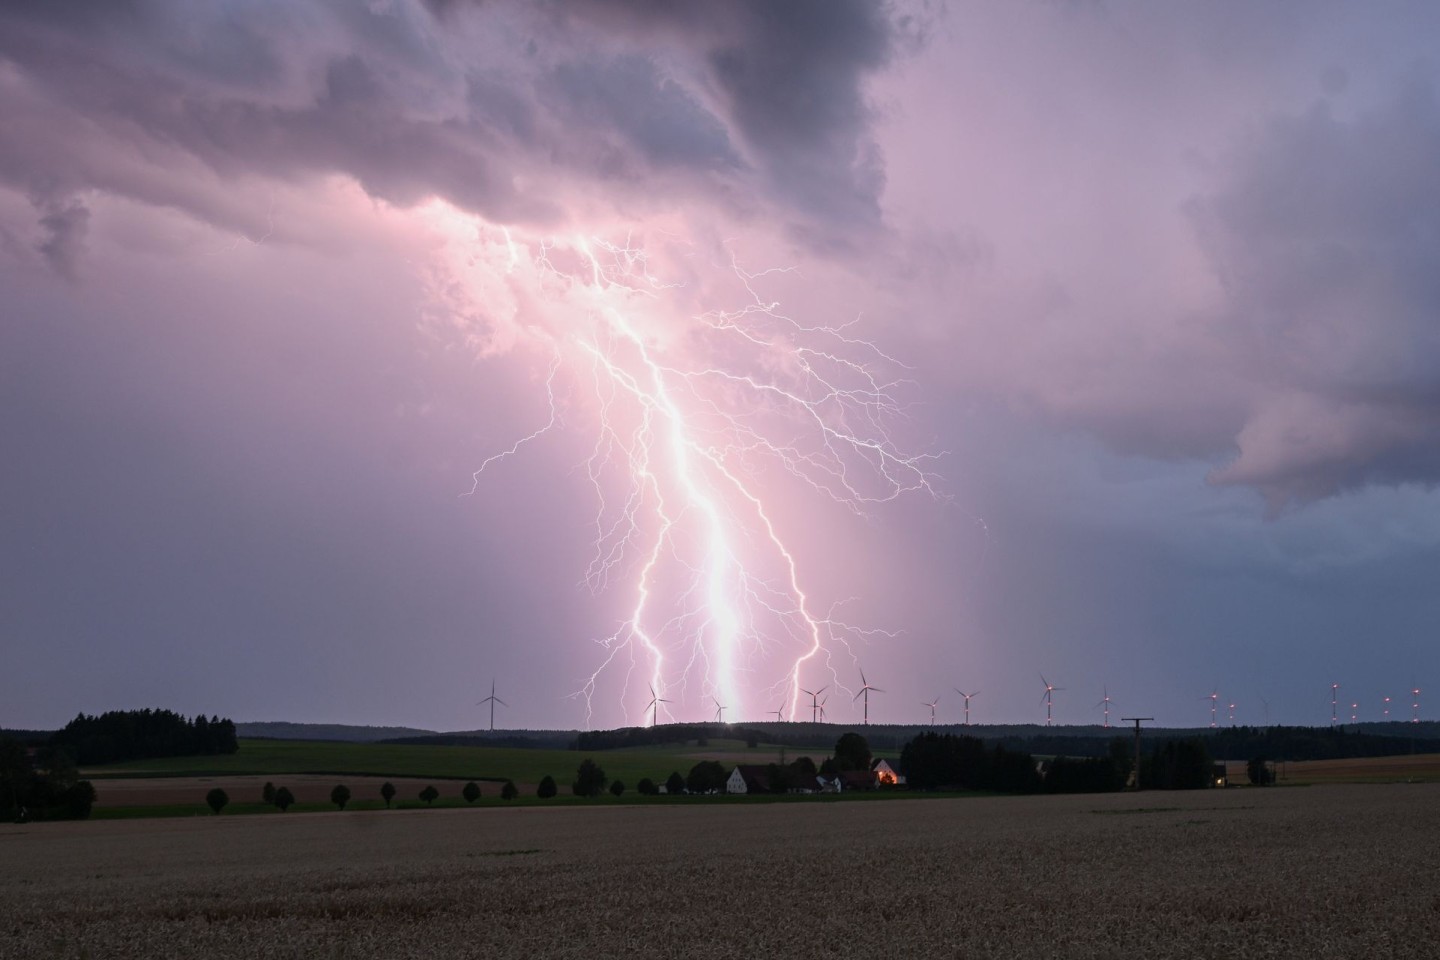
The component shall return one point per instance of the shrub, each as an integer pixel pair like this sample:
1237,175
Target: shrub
216,799
590,780
617,788
471,793
546,790
340,795
283,798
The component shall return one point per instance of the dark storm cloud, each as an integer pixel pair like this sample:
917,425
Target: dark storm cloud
1326,237
501,109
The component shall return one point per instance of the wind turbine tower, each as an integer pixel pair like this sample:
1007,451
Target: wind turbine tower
865,689
779,714
967,697
1105,702
1050,689
1415,706
931,705
1386,713
1334,703
654,706
815,702
1214,697
719,711
492,700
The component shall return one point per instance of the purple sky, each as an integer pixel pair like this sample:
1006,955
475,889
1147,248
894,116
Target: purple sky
1158,286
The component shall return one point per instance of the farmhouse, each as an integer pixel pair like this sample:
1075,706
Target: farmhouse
748,778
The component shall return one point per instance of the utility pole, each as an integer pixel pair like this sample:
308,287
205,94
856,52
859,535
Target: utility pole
1136,721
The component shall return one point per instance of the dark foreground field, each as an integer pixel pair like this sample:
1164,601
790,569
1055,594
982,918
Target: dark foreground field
1326,871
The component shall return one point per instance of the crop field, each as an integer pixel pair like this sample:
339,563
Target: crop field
1325,871
269,758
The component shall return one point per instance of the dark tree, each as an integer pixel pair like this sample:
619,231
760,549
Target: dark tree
829,769
267,794
15,777
752,739
546,790
284,798
646,787
675,784
387,793
1177,765
852,752
508,792
617,787
1259,772
471,793
340,795
216,799
429,794
804,769
707,776
590,780
137,734
1084,775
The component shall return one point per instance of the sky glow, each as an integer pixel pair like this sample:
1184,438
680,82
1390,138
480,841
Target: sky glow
353,355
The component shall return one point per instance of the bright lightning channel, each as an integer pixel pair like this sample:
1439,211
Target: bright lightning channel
690,412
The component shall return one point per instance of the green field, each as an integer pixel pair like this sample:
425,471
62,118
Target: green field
276,757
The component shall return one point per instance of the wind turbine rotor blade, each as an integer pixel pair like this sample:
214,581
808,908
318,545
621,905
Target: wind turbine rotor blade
501,702
858,695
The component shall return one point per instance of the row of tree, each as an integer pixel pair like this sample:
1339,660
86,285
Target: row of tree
141,734
53,791
934,761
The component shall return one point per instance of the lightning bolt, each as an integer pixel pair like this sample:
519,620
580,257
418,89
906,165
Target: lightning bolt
693,416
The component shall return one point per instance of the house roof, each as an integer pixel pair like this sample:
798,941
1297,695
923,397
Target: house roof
756,777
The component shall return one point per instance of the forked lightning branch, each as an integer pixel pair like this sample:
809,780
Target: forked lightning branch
704,423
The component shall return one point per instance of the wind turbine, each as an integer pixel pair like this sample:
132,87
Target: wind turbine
779,714
931,705
1232,713
1334,703
492,700
654,706
1354,712
814,701
865,689
1415,707
967,697
719,711
1387,709
1049,689
822,709
1214,697
1105,702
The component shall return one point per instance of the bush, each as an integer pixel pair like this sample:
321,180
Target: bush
268,793
617,788
546,790
646,787
387,793
471,793
216,799
590,780
340,795
283,798
509,792
707,776
429,794
675,783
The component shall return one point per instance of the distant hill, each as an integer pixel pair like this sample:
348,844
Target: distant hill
345,732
